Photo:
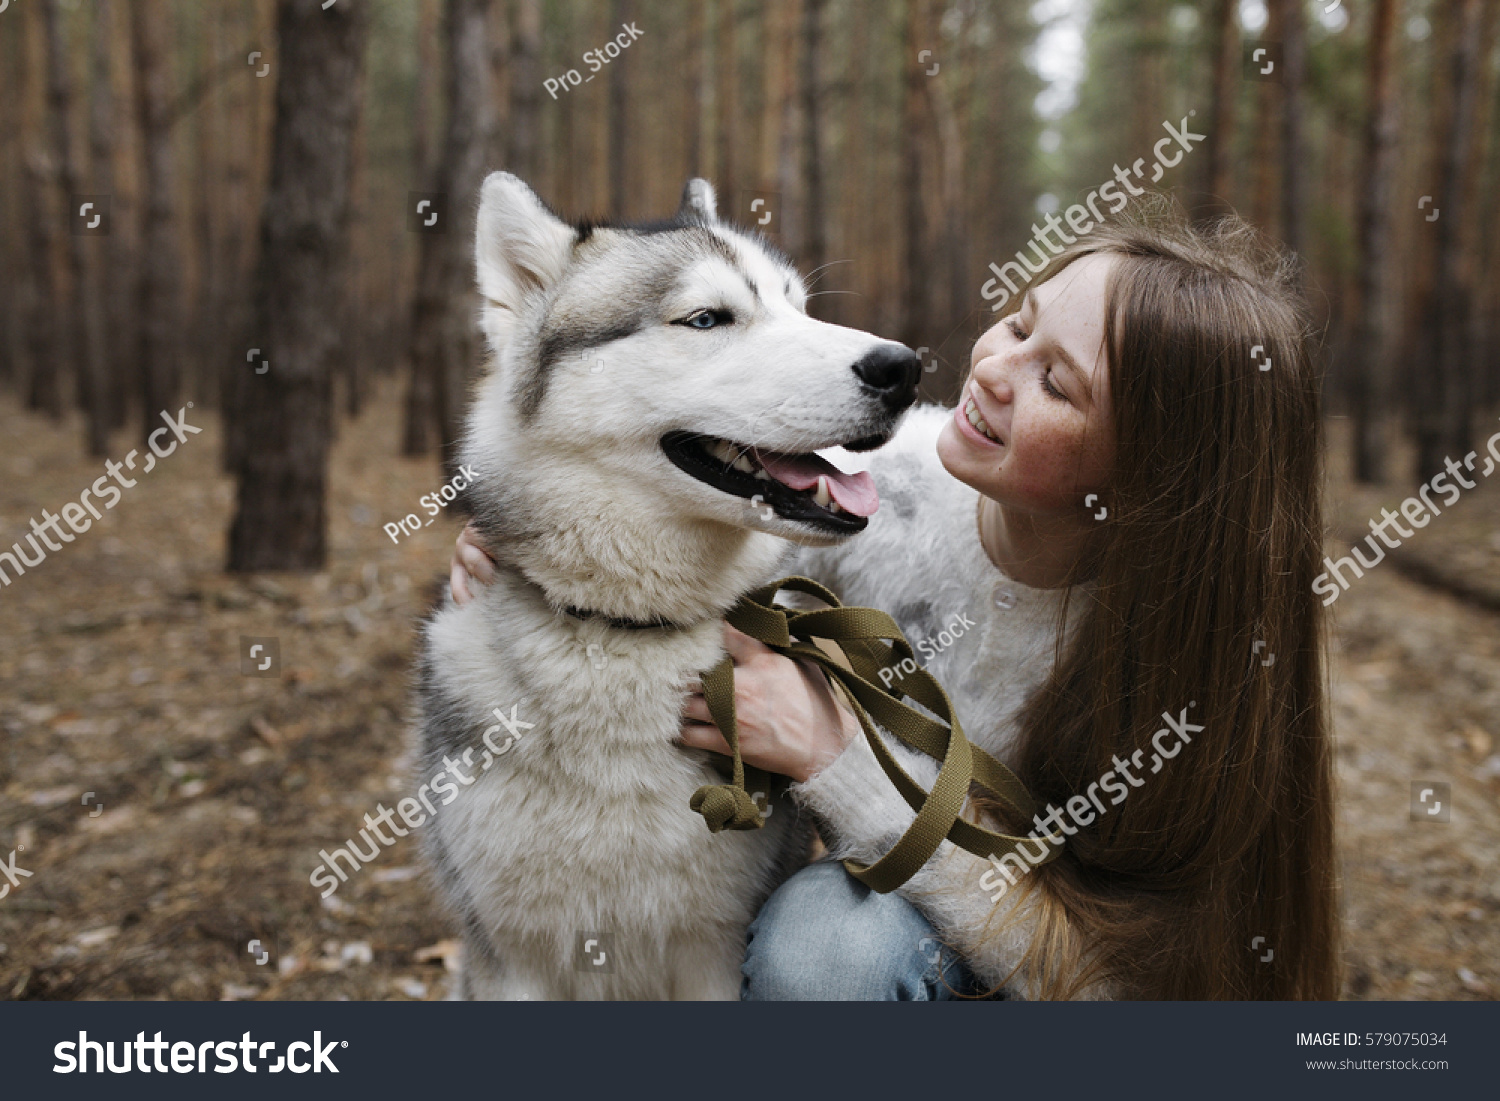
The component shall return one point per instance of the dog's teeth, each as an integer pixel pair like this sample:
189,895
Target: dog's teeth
723,452
822,497
834,507
762,475
744,464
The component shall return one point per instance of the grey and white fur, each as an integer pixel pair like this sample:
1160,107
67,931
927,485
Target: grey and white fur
622,360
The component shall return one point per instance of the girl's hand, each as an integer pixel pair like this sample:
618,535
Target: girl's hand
790,720
470,562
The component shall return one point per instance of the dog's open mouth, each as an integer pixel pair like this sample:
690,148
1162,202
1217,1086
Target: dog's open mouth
803,487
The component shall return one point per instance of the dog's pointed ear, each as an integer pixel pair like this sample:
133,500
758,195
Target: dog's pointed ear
698,203
520,246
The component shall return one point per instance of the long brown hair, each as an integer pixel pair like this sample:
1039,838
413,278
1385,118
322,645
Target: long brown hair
1203,598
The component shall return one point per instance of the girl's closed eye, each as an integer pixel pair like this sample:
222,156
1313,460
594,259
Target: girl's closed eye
1013,323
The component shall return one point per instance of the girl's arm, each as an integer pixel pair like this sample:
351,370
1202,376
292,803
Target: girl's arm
791,722
959,893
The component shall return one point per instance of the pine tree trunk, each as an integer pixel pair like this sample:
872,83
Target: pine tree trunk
1294,168
10,222
814,235
44,278
525,90
1219,155
280,521
442,344
419,420
773,93
471,121
1477,258
1454,285
916,267
83,251
501,41
726,104
1443,418
949,308
856,165
1369,364
110,255
619,93
788,178
208,344
236,108
161,256
351,352
693,86
126,203
1265,204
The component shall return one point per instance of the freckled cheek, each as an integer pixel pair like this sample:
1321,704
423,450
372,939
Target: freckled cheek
1045,466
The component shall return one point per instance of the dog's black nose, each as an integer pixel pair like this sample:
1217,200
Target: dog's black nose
893,370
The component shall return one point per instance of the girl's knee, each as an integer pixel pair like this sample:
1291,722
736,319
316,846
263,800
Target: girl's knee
824,936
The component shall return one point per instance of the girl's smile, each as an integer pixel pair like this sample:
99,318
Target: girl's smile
1031,430
970,415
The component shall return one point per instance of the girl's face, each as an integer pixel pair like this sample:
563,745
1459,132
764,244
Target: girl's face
1039,386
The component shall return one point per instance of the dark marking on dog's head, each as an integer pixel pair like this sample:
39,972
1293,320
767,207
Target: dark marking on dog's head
570,341
655,256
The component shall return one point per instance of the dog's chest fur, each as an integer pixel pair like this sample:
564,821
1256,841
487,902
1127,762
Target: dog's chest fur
585,825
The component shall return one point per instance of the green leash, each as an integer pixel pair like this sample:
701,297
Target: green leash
870,641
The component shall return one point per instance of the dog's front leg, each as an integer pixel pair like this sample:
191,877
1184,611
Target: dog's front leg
707,969
485,978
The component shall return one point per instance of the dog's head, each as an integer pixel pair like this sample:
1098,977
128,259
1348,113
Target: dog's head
674,365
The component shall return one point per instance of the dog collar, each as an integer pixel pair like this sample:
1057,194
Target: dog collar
623,624
618,622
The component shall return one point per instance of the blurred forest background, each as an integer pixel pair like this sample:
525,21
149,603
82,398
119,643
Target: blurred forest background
907,144
221,202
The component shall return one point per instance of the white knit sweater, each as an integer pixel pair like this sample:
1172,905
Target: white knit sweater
920,560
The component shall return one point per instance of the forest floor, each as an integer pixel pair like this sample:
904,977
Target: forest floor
211,792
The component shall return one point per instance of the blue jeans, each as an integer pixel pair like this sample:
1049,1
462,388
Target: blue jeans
825,936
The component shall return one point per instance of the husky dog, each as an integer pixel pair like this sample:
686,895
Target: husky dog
643,450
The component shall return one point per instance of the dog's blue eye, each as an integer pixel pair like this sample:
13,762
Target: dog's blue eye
707,319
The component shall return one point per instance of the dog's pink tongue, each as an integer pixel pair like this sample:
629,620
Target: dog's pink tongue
855,493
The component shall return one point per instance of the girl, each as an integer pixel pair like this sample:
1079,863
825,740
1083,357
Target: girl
1104,552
